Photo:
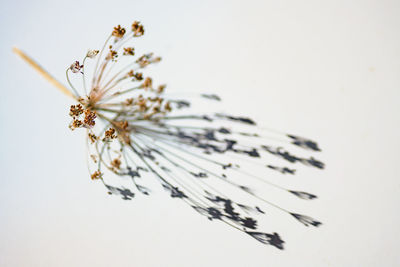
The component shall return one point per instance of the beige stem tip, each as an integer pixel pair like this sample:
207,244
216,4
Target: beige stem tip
42,72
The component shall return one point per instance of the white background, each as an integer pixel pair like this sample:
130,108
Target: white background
328,70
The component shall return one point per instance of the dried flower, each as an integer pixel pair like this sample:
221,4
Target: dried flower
112,55
75,110
145,131
118,32
147,83
90,116
76,67
109,134
116,163
129,51
92,53
137,29
75,124
161,88
156,143
138,76
96,175
92,137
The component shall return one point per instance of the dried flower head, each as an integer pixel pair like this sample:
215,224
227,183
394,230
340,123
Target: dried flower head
116,163
129,51
109,134
147,83
92,137
118,32
89,119
112,55
96,175
133,129
161,88
92,53
137,29
76,110
76,67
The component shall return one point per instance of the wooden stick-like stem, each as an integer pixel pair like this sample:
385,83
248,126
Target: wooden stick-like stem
43,72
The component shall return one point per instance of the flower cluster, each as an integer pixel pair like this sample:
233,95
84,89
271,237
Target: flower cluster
81,117
134,127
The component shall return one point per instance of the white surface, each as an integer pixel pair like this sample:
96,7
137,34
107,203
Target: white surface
328,70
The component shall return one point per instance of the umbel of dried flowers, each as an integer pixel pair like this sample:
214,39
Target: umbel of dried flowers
136,130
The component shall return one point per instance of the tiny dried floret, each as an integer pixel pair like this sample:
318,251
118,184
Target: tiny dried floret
112,55
93,138
89,119
75,110
129,51
138,76
118,31
167,106
161,88
137,29
128,101
156,60
146,59
130,73
116,163
109,134
76,67
141,103
156,109
147,83
96,175
75,124
92,53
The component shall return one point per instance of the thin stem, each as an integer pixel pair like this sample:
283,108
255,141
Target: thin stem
70,84
98,59
44,73
83,76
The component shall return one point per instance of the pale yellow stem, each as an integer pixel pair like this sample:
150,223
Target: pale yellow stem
43,72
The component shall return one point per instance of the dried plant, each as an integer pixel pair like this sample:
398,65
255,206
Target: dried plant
134,128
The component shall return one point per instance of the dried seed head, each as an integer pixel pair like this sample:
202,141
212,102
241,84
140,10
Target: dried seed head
90,116
167,106
161,88
92,53
96,175
128,101
137,29
147,83
76,67
156,60
109,134
138,76
118,32
75,111
112,55
131,73
75,124
129,51
141,103
93,138
116,163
